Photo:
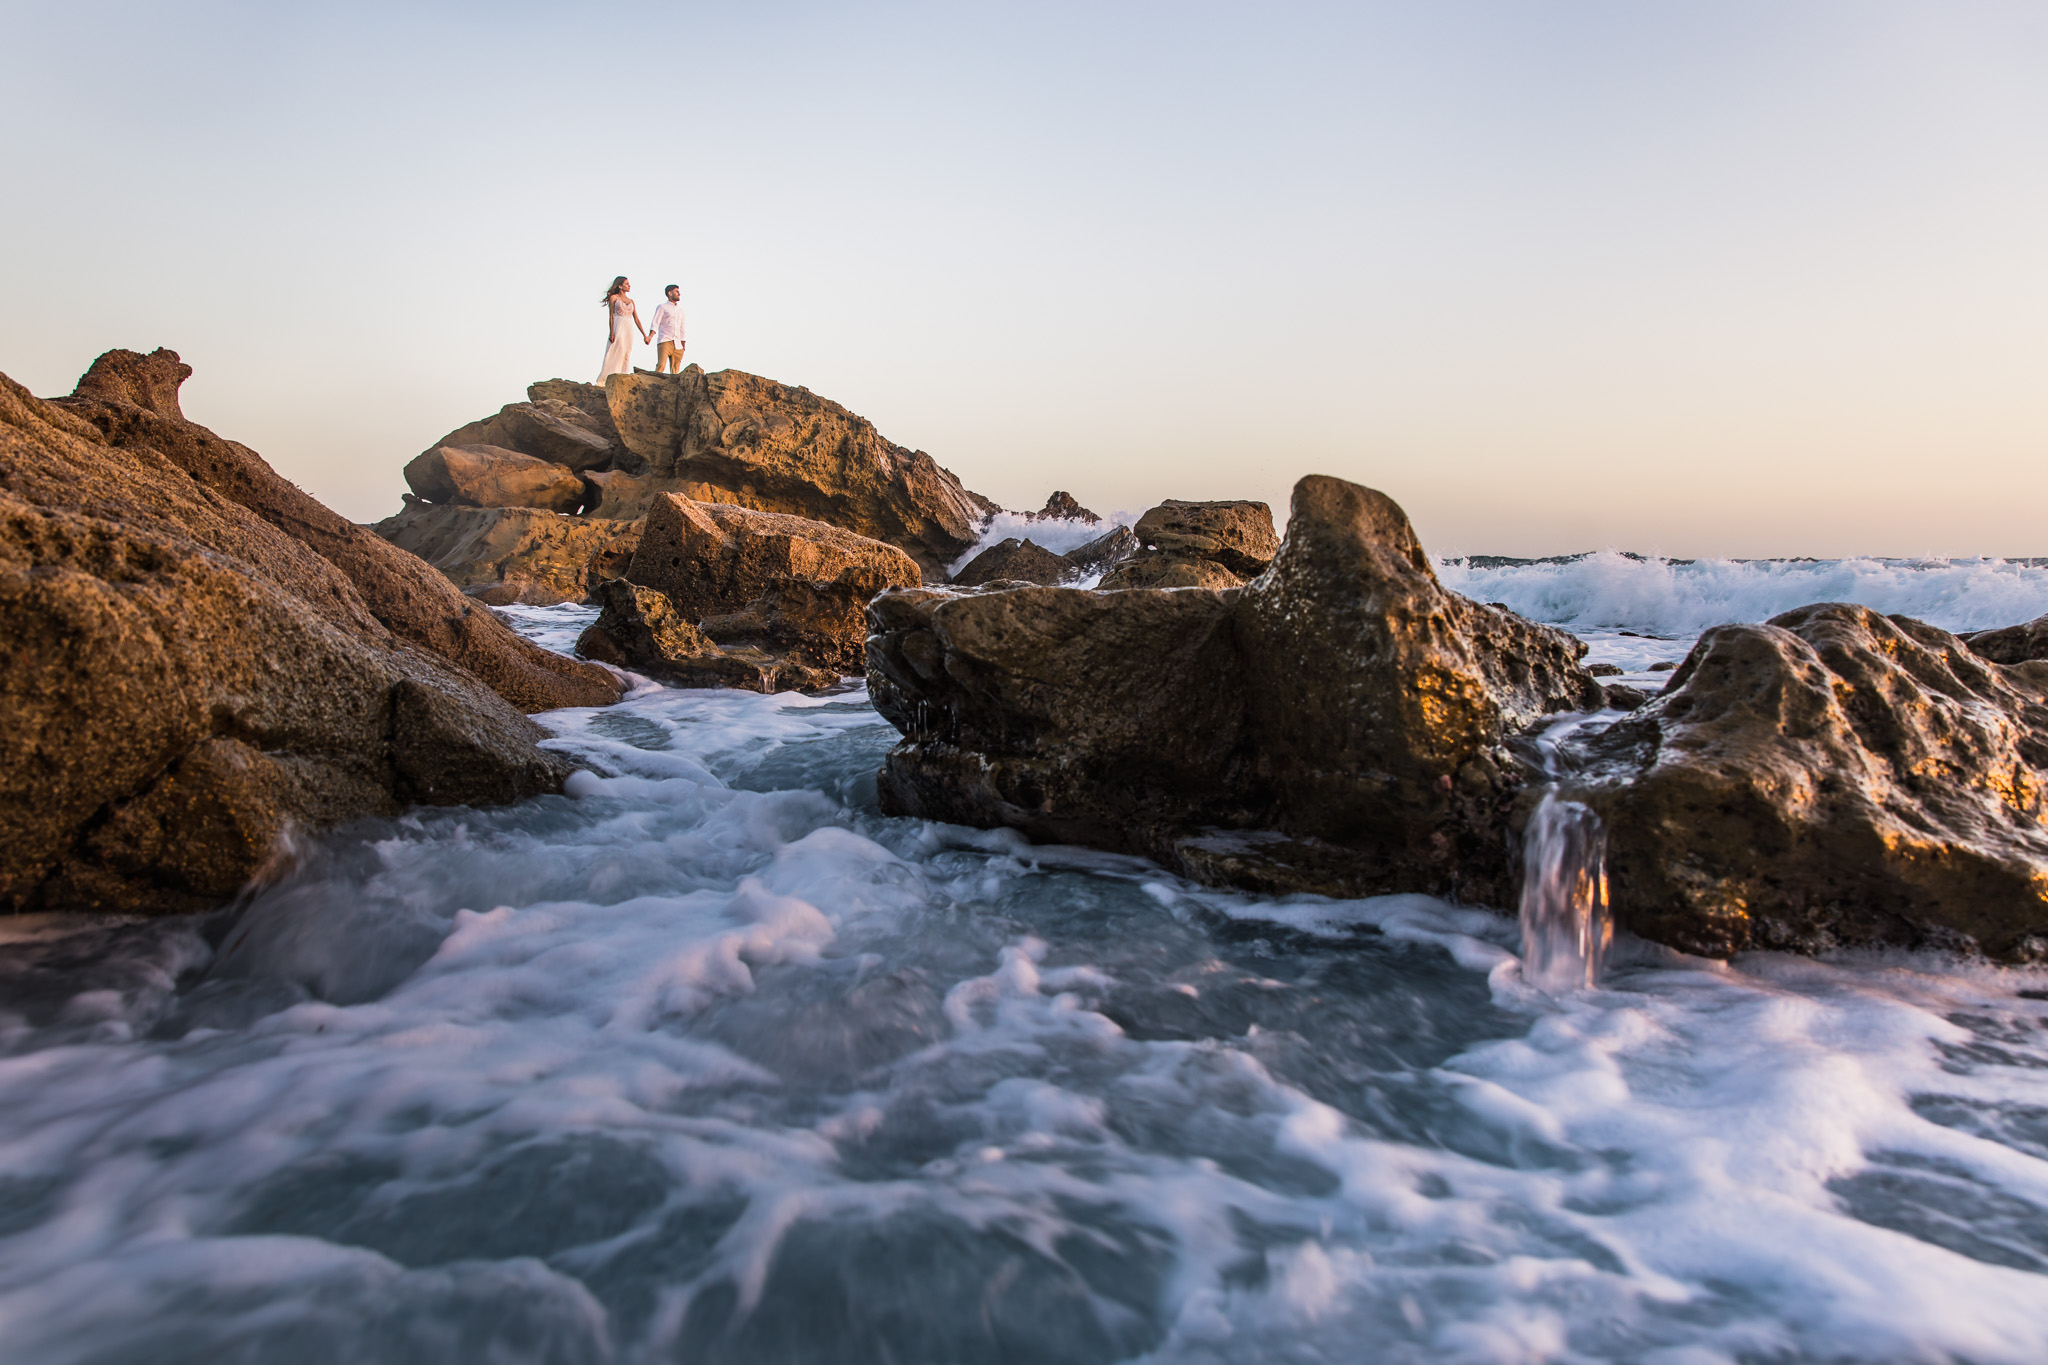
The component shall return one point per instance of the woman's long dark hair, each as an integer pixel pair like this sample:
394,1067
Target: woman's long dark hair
617,284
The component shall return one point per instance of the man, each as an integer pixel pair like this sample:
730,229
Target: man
668,332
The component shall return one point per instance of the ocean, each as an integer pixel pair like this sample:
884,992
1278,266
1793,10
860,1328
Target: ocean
707,1060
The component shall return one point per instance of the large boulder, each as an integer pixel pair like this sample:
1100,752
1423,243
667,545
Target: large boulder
551,425
713,559
1344,724
1198,545
492,476
507,555
640,629
2011,644
131,400
1063,506
1018,561
186,682
1833,777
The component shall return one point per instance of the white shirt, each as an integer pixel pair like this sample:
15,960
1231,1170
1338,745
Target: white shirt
668,322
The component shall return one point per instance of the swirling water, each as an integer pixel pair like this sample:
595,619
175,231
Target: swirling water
707,1060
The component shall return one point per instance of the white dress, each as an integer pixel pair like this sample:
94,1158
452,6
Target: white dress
618,357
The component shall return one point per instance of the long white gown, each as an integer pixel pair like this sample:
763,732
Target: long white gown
618,357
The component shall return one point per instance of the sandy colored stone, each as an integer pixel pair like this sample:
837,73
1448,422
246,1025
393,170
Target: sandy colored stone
131,401
185,683
1197,544
641,630
1063,506
1834,777
492,476
546,428
507,555
1017,560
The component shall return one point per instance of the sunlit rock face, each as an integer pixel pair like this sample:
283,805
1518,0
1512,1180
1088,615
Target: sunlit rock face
507,555
492,476
1341,723
1832,777
200,660
1197,545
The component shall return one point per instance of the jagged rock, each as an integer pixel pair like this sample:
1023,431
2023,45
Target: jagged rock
1198,544
616,495
491,476
1597,670
545,427
639,628
1018,561
2010,644
713,559
1622,697
132,400
1063,506
1832,777
1341,725
507,555
185,682
1104,552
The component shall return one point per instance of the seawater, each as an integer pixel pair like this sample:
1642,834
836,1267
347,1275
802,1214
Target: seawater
707,1060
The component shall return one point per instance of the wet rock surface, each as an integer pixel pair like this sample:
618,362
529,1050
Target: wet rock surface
492,476
1197,545
1833,777
197,665
507,555
1063,506
2011,644
1342,724
640,629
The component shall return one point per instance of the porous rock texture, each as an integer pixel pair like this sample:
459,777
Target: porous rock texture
185,680
132,401
1063,506
786,595
1341,724
1104,552
557,423
1198,545
1016,560
492,476
1833,777
507,555
640,629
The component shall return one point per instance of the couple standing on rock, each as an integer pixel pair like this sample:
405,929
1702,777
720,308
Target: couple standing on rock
624,314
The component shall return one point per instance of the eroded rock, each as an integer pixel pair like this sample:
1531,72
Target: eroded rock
1063,506
186,681
1342,724
492,476
640,629
508,555
2011,644
549,426
1016,560
1832,777
1198,545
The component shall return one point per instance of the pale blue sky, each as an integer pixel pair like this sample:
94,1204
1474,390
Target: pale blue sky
1734,278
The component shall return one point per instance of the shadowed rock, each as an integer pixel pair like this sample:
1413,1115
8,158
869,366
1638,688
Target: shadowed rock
1832,777
1104,552
187,680
1017,560
1198,545
131,400
2011,644
1063,506
1342,724
640,629
507,555
547,427
491,476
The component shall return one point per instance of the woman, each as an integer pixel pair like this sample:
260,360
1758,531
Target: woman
618,302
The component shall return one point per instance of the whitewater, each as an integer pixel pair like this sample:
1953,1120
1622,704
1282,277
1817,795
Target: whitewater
708,1060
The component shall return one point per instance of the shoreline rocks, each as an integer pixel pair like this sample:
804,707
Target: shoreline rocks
199,662
492,476
515,555
1341,724
1197,545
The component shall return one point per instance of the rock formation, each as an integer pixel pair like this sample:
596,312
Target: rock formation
507,555
1104,552
1342,724
1016,560
641,629
1063,506
132,402
197,660
2011,644
1832,777
1198,545
492,476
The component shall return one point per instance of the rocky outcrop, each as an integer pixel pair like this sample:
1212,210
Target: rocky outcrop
1104,552
186,681
712,559
507,555
1063,506
1016,560
492,476
557,424
131,400
1832,777
1198,545
2010,644
641,629
1342,724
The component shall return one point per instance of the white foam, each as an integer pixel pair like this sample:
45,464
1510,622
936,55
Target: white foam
1057,534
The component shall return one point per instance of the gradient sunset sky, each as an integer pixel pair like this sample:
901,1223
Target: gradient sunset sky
1693,278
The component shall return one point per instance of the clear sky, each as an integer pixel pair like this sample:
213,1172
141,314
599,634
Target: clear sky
1700,278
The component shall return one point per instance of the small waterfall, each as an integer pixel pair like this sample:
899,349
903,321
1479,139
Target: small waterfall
1565,929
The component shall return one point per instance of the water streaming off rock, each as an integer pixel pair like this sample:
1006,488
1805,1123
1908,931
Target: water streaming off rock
1564,919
